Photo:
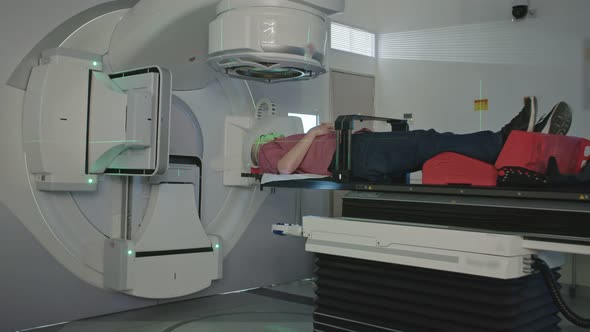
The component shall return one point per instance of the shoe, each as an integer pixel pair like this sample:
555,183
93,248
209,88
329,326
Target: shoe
556,122
568,180
525,120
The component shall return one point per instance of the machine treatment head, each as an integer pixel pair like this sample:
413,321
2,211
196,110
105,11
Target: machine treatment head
271,40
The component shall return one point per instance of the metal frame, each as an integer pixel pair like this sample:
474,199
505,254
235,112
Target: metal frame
512,193
344,126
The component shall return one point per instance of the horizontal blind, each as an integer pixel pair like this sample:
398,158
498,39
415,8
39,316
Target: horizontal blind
353,40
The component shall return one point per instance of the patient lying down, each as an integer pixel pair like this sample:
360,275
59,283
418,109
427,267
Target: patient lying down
379,156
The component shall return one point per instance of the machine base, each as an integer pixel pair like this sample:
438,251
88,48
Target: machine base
361,295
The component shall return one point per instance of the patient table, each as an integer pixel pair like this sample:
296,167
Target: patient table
439,258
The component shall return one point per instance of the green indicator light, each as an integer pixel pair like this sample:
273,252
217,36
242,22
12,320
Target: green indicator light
130,252
90,181
95,63
217,246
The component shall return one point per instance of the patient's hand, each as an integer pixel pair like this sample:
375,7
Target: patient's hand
323,129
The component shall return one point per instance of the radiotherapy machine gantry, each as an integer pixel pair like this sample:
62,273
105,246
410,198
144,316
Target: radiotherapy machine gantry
109,166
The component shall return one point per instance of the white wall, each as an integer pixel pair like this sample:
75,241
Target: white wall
359,14
409,15
437,57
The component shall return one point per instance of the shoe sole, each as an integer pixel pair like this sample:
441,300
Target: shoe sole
560,121
533,117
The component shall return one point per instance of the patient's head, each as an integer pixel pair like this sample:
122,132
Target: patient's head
259,142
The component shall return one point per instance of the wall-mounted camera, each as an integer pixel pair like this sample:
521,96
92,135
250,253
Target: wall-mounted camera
521,9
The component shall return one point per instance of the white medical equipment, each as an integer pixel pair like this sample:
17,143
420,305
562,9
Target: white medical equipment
110,166
439,258
447,258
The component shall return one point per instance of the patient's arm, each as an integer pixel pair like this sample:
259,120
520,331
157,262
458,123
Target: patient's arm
291,161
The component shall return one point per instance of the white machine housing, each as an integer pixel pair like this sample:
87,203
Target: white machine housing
54,127
88,114
129,122
271,40
102,123
476,253
118,125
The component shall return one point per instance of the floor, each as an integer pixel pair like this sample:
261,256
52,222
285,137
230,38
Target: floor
285,308
581,306
281,308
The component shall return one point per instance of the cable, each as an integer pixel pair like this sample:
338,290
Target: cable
255,108
553,286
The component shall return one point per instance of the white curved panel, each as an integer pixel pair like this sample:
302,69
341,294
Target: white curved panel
186,138
171,208
181,27
19,198
55,37
235,216
210,108
226,212
103,208
95,36
71,229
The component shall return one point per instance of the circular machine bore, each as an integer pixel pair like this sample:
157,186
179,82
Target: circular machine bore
270,73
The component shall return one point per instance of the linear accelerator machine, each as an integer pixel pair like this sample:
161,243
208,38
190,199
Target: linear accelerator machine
111,166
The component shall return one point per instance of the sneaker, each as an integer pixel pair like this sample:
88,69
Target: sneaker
570,180
525,120
556,122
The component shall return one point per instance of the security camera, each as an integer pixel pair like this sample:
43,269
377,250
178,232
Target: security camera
520,9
